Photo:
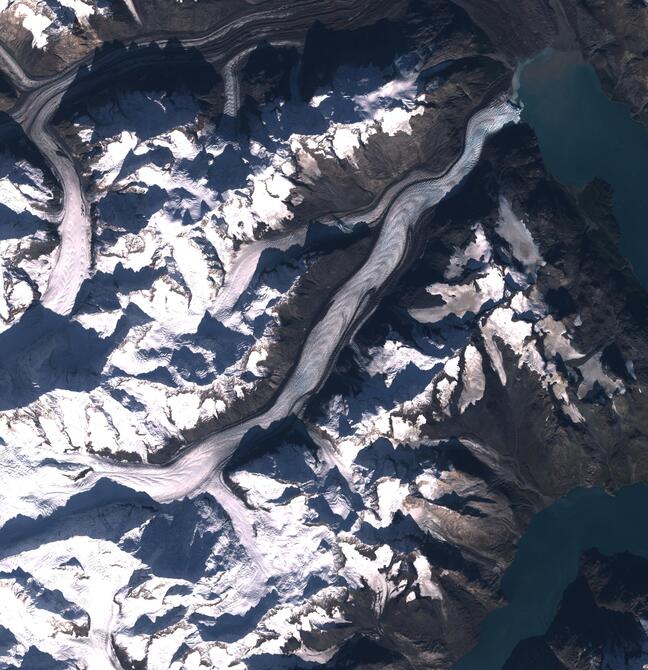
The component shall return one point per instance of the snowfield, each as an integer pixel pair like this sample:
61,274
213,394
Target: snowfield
155,317
56,474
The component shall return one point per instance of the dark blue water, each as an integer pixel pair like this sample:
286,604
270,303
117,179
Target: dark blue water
547,561
583,134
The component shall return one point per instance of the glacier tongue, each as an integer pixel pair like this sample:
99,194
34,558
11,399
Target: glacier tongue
251,571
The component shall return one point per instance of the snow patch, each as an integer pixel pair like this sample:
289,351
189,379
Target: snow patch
474,382
519,238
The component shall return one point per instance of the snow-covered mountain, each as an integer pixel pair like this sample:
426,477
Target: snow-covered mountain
339,337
